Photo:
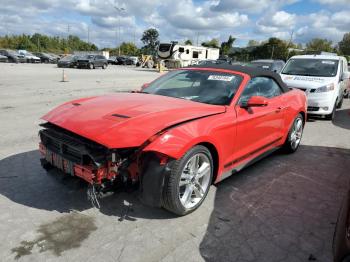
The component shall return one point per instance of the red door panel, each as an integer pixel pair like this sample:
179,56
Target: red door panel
258,128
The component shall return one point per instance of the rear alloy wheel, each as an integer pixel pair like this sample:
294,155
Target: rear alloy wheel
104,66
294,136
91,66
189,182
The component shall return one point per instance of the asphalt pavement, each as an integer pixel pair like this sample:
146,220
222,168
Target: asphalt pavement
282,208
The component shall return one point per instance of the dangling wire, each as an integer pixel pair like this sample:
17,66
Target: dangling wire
92,196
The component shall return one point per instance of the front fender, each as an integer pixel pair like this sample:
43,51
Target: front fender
177,141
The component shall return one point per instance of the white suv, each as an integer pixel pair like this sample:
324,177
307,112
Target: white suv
322,77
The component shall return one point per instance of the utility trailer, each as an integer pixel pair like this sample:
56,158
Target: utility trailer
174,55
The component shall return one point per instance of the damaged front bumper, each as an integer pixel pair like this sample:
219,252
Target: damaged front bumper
104,169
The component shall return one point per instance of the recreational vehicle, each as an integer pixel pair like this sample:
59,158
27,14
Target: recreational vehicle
175,55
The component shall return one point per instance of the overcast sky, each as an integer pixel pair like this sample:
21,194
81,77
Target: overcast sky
178,19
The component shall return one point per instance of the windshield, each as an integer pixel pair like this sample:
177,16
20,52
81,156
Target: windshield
164,47
88,57
207,87
67,58
311,67
13,52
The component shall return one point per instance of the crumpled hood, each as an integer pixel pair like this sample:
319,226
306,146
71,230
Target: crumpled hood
307,82
126,119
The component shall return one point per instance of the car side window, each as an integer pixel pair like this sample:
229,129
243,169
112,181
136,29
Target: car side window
260,86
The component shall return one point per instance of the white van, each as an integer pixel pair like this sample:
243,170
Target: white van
322,77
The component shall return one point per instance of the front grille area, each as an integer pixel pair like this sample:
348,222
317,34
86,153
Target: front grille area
305,89
72,147
312,108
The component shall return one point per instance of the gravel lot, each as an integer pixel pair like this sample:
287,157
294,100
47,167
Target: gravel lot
283,208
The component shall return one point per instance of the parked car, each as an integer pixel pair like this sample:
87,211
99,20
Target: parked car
68,61
268,64
12,56
112,60
56,57
184,131
322,77
134,59
46,58
341,239
223,59
29,57
211,62
124,60
3,59
92,61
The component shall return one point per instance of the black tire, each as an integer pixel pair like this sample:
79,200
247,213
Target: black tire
91,66
346,94
289,147
104,66
331,115
340,240
340,104
170,198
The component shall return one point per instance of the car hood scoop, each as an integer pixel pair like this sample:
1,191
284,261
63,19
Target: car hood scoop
126,119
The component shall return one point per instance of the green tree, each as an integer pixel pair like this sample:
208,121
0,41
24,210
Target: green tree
214,43
344,44
253,43
44,43
188,42
318,44
226,46
150,40
128,49
274,48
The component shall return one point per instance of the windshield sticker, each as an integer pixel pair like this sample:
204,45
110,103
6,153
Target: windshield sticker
328,62
221,78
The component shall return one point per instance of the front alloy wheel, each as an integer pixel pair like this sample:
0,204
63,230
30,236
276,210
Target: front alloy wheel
188,184
194,180
294,136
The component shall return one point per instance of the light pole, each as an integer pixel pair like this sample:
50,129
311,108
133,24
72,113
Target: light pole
119,10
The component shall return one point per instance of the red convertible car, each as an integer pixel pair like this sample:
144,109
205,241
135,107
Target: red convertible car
184,131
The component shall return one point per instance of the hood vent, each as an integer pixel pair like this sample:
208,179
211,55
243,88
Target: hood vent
121,116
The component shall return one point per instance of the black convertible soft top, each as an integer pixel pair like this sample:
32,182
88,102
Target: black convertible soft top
251,71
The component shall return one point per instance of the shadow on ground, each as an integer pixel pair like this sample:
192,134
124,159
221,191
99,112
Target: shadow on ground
283,208
342,118
24,181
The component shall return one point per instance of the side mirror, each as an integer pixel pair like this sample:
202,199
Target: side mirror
255,101
144,86
345,76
